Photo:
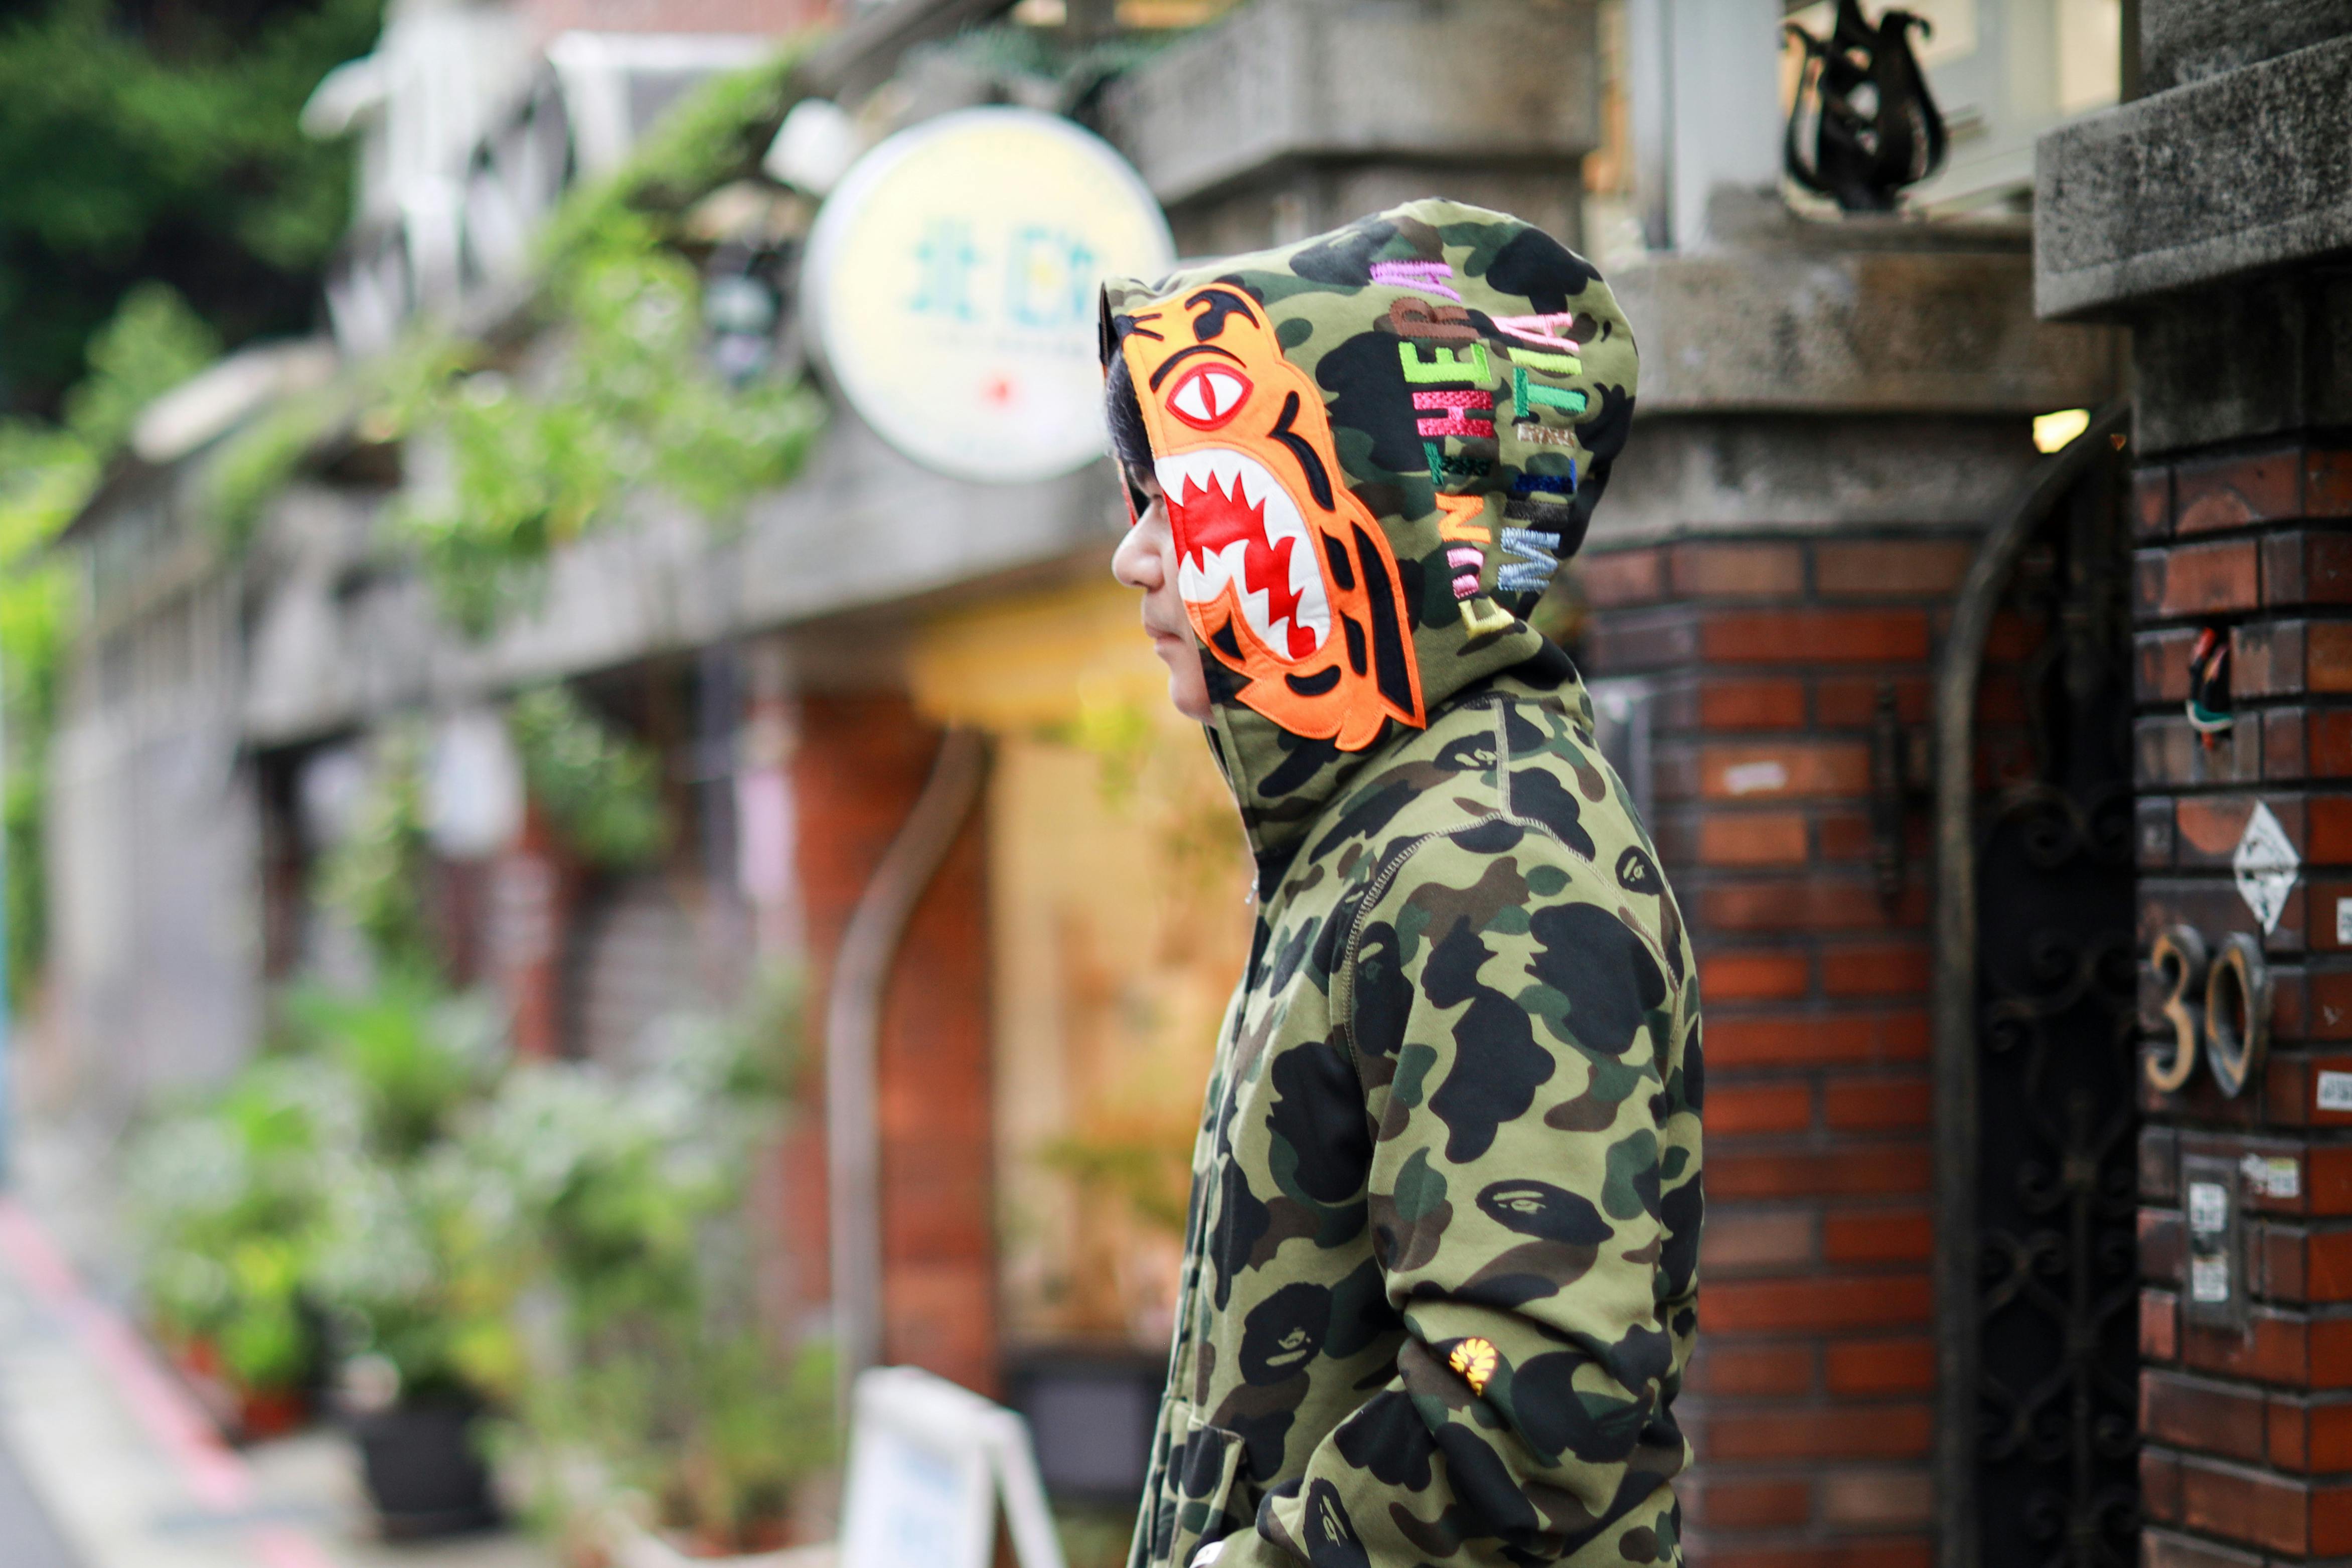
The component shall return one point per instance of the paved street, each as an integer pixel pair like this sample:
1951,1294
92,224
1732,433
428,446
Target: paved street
25,1524
105,1463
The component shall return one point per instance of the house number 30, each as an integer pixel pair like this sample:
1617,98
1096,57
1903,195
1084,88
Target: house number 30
2232,1024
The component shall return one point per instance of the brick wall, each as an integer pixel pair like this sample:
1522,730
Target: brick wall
2247,1453
860,763
1811,1400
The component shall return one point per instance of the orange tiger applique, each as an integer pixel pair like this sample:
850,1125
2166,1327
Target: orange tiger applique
1285,574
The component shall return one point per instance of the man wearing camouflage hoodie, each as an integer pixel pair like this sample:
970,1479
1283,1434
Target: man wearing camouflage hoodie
1439,1283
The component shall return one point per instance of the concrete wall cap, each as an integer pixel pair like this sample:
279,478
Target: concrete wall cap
1753,475
2183,41
1878,331
2238,173
1285,80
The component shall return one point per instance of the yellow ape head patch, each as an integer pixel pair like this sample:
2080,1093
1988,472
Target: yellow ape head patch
1285,574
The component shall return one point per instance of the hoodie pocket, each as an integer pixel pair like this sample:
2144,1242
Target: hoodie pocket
1205,1478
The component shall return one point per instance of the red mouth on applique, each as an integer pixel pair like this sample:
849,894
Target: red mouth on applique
1236,527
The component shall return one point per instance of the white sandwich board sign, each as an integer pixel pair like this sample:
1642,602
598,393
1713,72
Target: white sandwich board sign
928,1462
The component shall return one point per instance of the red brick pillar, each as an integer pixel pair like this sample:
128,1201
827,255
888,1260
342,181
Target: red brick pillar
531,896
860,763
1811,1398
2247,1433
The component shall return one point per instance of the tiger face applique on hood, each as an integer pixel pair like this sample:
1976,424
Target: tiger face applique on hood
1377,445
1284,573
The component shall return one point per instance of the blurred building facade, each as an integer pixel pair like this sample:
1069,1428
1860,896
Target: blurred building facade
1866,653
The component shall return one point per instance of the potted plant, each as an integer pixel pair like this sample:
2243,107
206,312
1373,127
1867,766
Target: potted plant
420,1321
426,1338
702,1436
657,1376
224,1202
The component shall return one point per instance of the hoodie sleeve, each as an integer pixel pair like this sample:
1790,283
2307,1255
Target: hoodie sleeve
1521,1033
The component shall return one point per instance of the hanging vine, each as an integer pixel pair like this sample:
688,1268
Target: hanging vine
514,454
602,790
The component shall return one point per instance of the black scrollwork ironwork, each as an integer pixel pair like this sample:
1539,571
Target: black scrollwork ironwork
2057,1362
1875,125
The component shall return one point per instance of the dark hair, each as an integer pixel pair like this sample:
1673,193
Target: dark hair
1129,441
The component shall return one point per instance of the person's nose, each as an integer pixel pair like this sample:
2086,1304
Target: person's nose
1135,563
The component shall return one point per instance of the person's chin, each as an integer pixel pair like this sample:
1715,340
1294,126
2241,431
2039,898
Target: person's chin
1187,692
1195,709
1189,699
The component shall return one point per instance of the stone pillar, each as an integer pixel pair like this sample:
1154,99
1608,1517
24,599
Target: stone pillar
2215,219
1829,416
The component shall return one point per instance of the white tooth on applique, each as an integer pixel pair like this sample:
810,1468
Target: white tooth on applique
1307,582
1254,604
1255,482
1283,521
1201,579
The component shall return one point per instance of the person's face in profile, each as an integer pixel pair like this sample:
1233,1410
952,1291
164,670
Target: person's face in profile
1146,562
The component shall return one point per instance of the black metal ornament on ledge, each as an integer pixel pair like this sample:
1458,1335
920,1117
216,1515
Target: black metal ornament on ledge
1875,125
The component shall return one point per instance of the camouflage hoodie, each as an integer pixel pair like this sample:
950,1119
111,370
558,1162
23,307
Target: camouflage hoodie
1439,1281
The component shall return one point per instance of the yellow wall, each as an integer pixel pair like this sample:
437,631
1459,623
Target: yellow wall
1118,886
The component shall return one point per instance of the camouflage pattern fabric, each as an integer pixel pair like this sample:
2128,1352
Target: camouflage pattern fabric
1440,1267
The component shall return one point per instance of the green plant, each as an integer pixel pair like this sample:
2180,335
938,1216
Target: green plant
375,873
226,1199
626,404
602,791
627,1193
323,1184
629,405
256,463
420,1305
161,142
714,134
46,474
416,1055
153,343
402,1260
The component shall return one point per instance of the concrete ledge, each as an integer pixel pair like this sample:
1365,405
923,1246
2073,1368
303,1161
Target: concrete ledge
1288,81
2238,173
1700,477
1878,331
2182,41
862,529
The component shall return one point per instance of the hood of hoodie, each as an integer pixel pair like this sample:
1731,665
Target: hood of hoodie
1377,446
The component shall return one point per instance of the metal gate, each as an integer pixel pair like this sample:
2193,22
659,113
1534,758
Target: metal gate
2037,1130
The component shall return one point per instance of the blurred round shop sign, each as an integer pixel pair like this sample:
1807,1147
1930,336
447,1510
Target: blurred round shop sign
951,282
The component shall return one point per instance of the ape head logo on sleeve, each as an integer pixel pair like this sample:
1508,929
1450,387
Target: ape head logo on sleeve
1286,575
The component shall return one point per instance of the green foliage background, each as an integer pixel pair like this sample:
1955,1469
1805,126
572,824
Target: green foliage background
160,204
155,341
156,139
